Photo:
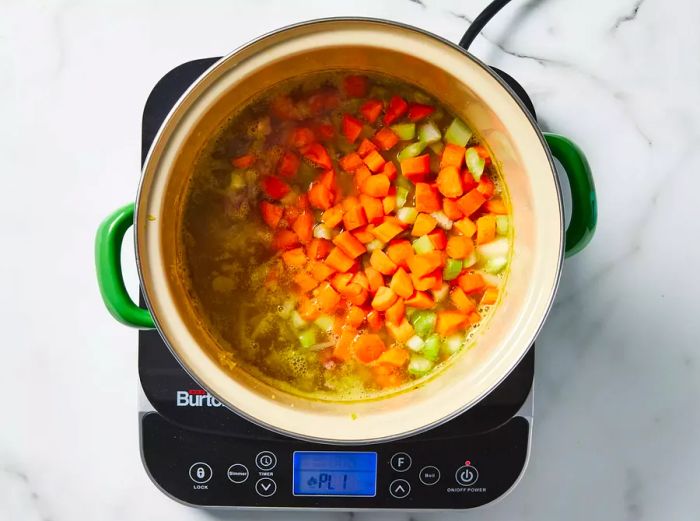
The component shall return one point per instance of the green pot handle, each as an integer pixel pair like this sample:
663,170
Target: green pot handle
108,248
584,211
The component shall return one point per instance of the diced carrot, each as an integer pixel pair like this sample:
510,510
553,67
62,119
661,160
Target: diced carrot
396,356
364,234
461,301
317,154
368,347
420,300
271,213
449,321
302,136
350,162
415,168
361,175
427,198
351,127
354,217
474,317
425,282
308,308
438,238
397,107
471,282
390,170
382,263
303,227
343,347
490,296
320,196
376,185
349,202
325,131
400,252
355,86
358,299
451,209
465,226
424,224
320,271
332,216
389,204
471,202
285,239
402,332
468,182
328,179
347,242
459,247
356,316
291,212
386,231
383,299
452,155
483,153
401,283
371,109
374,320
283,107
325,100
274,187
395,313
418,111
375,279
449,183
338,260
243,161
485,229
340,281
385,138
374,161
366,146
295,257
305,281
496,206
328,298
423,264
361,279
288,164
387,375
318,249
486,186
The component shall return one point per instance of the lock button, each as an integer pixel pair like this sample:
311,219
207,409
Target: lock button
200,472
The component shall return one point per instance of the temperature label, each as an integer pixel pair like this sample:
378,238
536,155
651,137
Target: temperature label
335,473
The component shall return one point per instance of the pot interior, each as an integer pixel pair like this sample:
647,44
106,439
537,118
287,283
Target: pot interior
471,91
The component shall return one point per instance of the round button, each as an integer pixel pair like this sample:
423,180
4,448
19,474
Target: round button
237,473
429,475
265,487
266,460
466,475
200,472
400,488
400,462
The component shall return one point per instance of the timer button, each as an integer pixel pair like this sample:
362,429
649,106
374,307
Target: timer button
265,487
400,462
429,475
266,460
400,488
466,475
200,472
237,473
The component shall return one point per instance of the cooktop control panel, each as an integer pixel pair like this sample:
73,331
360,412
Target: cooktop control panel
208,469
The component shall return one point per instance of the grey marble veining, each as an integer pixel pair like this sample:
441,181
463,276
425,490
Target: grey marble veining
617,370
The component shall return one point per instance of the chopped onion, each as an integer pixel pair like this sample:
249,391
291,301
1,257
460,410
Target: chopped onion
443,221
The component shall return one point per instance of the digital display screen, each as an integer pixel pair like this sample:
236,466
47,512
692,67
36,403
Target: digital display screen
335,474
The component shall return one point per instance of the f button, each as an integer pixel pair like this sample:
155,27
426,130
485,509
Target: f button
400,462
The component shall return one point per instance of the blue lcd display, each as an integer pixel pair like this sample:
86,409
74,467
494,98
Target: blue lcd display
335,474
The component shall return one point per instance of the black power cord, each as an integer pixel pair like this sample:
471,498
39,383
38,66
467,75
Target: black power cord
480,22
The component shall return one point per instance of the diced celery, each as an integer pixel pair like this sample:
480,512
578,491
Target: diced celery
453,343
496,248
424,322
405,131
321,231
437,147
412,150
409,312
502,225
376,244
237,180
458,133
475,163
419,366
431,347
325,323
297,321
407,214
443,221
307,338
452,269
469,261
415,343
440,294
285,309
491,279
429,133
401,196
289,199
423,245
495,264
404,182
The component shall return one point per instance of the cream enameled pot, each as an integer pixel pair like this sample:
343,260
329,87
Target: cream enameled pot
472,91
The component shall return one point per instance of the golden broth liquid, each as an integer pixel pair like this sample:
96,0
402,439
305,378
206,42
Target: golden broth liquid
226,246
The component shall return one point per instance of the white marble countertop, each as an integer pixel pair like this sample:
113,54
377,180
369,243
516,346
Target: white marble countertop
618,369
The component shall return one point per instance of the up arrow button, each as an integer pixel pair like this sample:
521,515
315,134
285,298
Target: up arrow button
400,488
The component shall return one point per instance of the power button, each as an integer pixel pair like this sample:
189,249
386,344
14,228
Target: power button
466,475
